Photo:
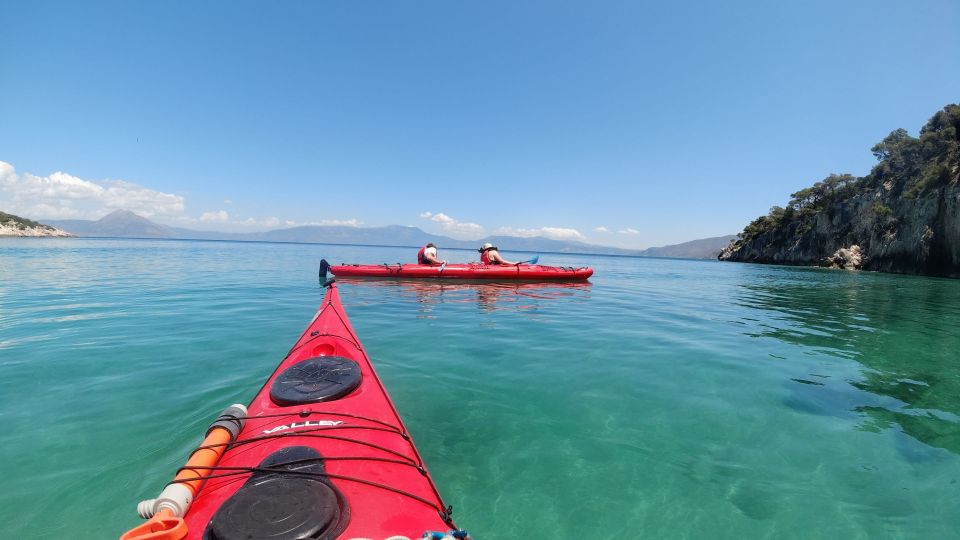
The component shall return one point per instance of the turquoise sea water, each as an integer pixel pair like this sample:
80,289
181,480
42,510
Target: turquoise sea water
666,399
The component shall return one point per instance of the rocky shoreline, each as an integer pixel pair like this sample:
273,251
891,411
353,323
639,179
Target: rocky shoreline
11,225
903,217
906,236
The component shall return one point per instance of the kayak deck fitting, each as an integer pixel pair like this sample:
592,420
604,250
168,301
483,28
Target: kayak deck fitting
319,453
502,272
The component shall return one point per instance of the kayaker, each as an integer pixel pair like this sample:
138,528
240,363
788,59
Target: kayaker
428,255
490,255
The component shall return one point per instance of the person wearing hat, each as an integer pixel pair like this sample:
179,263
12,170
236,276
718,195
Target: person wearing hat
428,255
490,255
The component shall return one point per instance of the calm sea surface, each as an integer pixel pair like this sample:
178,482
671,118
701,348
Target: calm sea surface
665,399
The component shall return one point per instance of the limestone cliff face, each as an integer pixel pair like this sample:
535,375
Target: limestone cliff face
903,217
916,236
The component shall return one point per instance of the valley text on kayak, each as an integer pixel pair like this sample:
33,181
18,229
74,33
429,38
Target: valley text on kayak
307,423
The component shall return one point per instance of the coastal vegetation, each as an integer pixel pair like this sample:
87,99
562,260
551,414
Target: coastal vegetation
11,225
904,216
19,222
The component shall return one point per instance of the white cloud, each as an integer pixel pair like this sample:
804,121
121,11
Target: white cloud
7,173
342,222
273,221
43,210
601,229
220,216
335,222
144,201
453,226
227,201
442,219
628,230
62,195
561,233
184,220
556,233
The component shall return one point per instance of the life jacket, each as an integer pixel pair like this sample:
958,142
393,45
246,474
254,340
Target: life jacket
485,256
420,259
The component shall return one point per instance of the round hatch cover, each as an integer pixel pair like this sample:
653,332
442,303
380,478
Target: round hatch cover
323,378
291,500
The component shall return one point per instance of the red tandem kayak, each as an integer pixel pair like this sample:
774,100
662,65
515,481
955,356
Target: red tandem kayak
521,272
320,453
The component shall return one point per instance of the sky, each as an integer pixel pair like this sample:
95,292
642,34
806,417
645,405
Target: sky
630,124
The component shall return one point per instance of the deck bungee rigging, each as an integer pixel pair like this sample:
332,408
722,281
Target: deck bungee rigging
319,453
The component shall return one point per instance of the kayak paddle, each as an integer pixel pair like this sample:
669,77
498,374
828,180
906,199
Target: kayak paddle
324,267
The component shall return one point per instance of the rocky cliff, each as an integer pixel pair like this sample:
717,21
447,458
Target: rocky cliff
903,217
11,225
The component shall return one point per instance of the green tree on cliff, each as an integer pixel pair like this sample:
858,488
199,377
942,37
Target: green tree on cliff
907,166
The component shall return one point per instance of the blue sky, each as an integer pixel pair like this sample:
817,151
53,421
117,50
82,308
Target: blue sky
659,122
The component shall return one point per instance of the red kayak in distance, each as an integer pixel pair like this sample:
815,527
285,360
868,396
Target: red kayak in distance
500,272
319,453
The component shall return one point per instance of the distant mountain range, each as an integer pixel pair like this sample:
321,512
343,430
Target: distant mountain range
705,248
121,223
126,224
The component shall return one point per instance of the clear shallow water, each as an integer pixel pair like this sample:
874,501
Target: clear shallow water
666,399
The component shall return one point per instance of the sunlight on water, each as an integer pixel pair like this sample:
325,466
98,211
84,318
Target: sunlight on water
664,399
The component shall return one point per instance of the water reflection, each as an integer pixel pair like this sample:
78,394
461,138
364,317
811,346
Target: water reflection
900,330
489,297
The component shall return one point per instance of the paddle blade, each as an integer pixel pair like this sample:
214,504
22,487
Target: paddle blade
324,267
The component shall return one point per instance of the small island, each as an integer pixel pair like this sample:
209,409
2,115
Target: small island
11,225
903,217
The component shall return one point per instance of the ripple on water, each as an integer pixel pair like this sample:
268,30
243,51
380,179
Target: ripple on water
665,399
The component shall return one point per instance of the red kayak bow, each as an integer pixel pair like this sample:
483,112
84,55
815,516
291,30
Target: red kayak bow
319,453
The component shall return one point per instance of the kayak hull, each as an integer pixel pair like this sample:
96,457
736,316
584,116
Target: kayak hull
522,272
364,477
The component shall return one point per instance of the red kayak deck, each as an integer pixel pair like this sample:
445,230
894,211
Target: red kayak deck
353,470
521,272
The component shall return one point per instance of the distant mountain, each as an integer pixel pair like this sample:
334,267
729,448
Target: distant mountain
120,223
391,235
126,224
11,225
539,243
706,248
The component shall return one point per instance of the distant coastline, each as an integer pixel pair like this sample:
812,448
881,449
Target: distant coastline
16,226
464,249
126,224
